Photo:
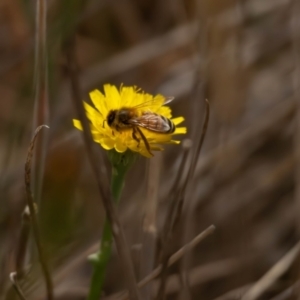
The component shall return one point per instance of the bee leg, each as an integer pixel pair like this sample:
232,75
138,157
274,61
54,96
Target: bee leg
134,136
144,140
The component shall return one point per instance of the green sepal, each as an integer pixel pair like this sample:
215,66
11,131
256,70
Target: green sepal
121,162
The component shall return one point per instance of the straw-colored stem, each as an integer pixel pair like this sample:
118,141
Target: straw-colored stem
16,286
33,217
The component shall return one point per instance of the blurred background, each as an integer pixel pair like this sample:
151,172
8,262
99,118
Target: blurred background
241,55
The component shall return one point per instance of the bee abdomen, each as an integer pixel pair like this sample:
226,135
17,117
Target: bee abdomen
171,125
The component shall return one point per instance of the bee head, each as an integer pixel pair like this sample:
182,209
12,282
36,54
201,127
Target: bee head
111,117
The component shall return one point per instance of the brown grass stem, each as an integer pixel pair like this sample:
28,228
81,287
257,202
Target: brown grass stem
173,259
96,163
189,178
149,235
191,171
33,217
16,286
23,241
200,144
41,101
295,24
186,146
269,279
176,209
171,218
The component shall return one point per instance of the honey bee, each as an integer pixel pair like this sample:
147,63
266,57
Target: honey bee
128,118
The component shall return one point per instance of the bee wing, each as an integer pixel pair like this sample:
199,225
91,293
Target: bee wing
154,102
168,100
151,122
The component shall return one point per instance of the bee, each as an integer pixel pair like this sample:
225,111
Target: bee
127,118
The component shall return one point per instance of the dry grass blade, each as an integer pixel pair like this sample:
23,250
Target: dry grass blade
41,101
200,144
287,294
179,201
149,239
234,294
186,248
176,206
182,191
186,146
257,290
16,286
171,218
174,258
96,163
24,235
295,24
194,161
137,55
33,217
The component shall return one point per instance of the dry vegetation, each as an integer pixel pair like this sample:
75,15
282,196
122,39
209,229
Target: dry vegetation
242,55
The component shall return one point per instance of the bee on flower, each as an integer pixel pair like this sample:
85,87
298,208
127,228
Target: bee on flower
131,119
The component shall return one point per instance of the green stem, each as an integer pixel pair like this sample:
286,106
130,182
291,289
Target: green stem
102,257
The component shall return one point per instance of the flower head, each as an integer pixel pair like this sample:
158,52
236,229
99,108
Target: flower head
131,119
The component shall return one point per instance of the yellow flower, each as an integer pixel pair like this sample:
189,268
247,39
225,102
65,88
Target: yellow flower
126,136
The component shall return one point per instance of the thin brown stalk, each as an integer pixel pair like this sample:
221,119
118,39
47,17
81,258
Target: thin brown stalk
186,146
178,201
189,246
178,204
16,286
23,241
173,258
149,238
199,146
20,253
271,277
295,25
235,293
96,162
41,101
191,172
184,292
170,219
182,193
33,217
288,293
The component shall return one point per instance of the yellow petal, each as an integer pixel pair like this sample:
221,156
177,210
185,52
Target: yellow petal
128,96
99,101
92,113
165,111
77,124
175,142
112,97
178,120
120,146
180,130
107,143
